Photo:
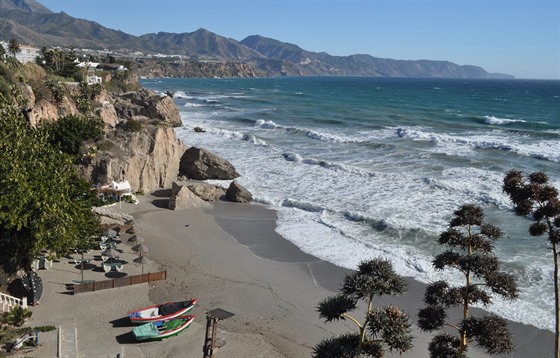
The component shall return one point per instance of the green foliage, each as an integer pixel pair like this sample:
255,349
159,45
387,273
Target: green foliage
446,346
9,334
14,47
60,63
132,125
68,133
535,197
43,202
57,89
343,346
6,80
105,145
85,97
44,328
17,316
386,328
470,243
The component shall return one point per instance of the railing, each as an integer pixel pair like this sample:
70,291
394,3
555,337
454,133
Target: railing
91,285
8,302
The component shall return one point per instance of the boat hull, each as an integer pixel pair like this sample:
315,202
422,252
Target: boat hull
157,331
161,312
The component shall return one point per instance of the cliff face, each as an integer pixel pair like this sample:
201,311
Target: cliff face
196,69
146,154
148,159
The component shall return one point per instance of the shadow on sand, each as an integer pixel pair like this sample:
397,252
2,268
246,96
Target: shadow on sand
161,203
126,338
122,322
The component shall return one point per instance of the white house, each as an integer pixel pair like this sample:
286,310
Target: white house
26,54
93,79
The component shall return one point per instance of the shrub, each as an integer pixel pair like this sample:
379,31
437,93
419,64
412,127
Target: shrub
133,125
57,89
71,131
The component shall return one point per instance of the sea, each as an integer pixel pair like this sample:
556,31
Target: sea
358,168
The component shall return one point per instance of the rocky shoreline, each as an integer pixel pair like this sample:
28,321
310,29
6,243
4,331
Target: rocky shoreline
139,145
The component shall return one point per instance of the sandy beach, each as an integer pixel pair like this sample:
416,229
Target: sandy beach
228,256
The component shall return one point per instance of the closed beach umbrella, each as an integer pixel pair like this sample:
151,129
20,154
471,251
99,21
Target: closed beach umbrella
135,239
142,260
141,248
110,253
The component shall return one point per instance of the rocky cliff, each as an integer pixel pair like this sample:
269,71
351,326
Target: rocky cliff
147,154
138,143
148,159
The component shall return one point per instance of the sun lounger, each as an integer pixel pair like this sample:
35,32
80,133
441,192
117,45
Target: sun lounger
79,261
110,245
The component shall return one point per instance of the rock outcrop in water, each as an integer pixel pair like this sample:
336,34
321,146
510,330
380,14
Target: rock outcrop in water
200,164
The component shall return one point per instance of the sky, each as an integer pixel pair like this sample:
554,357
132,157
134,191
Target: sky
519,38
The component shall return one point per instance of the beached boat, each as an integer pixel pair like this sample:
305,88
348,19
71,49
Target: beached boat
164,311
155,331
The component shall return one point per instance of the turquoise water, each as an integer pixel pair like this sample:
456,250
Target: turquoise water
365,167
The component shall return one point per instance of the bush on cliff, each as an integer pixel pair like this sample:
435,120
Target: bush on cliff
70,132
43,202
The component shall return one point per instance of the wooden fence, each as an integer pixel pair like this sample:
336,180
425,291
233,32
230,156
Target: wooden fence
89,286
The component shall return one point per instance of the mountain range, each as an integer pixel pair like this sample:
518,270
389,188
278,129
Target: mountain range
33,24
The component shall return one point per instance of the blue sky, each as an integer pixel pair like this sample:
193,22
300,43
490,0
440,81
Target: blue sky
521,38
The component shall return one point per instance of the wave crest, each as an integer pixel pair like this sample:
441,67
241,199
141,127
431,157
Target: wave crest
501,121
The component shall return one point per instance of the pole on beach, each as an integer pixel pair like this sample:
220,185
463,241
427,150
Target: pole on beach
209,338
212,319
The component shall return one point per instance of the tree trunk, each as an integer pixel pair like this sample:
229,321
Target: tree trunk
556,300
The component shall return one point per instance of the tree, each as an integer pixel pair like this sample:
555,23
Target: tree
17,316
43,202
14,47
2,53
60,63
386,328
470,241
538,199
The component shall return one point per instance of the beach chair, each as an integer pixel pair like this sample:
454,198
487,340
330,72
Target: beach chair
119,268
106,268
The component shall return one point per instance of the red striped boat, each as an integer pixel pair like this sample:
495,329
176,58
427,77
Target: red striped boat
161,312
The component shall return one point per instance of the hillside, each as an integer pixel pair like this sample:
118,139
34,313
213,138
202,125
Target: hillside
33,24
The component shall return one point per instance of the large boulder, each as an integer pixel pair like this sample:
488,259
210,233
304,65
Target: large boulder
205,191
238,193
182,198
200,164
109,216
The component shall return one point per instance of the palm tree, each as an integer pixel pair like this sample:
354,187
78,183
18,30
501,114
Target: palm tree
14,47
